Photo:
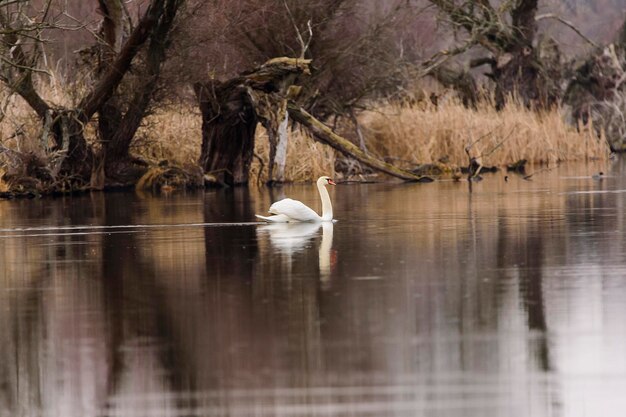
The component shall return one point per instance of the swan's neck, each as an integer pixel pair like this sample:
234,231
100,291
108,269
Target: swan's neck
327,207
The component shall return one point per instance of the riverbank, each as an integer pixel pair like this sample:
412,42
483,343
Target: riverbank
408,136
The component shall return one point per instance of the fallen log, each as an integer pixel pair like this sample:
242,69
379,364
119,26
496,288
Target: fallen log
325,135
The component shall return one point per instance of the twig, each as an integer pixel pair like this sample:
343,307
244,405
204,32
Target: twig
24,67
304,45
468,147
527,177
500,143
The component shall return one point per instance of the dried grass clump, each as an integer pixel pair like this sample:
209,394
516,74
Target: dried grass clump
172,134
427,134
306,159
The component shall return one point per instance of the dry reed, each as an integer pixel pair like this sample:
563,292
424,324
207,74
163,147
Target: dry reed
306,159
172,133
427,134
405,135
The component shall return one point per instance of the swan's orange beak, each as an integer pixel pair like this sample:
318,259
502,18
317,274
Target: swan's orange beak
331,182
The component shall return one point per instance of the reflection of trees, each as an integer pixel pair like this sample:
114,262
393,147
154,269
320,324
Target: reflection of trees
223,258
140,329
43,323
89,320
497,300
528,253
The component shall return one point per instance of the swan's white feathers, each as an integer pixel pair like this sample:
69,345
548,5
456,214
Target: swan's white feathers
288,210
279,218
295,210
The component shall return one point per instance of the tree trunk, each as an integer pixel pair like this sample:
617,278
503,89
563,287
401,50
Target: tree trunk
75,162
516,74
272,111
228,129
461,81
112,32
281,148
516,66
119,167
231,110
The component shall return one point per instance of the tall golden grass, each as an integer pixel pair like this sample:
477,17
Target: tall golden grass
426,134
406,135
306,159
172,133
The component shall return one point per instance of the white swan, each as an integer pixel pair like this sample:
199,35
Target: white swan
288,210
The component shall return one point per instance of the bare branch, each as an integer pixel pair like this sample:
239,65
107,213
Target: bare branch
568,24
107,84
304,45
24,67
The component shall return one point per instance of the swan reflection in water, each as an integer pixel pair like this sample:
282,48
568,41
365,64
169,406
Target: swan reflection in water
294,238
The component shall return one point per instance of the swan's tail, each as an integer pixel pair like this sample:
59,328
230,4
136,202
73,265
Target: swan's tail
278,218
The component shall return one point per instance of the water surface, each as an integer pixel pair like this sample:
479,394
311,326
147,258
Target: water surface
506,299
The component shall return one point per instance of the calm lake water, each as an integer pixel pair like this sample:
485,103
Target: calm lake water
422,300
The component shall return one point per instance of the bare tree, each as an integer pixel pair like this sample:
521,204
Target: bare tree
21,31
356,46
507,34
596,91
117,129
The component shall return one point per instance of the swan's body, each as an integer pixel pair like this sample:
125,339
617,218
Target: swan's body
288,210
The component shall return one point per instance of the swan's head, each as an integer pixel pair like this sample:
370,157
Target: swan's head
325,181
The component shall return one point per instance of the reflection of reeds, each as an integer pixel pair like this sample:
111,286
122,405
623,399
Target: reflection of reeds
426,134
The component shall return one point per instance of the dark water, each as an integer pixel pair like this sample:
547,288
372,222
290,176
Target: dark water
422,300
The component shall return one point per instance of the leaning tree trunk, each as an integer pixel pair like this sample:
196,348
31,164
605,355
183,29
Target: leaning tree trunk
112,31
117,129
325,135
